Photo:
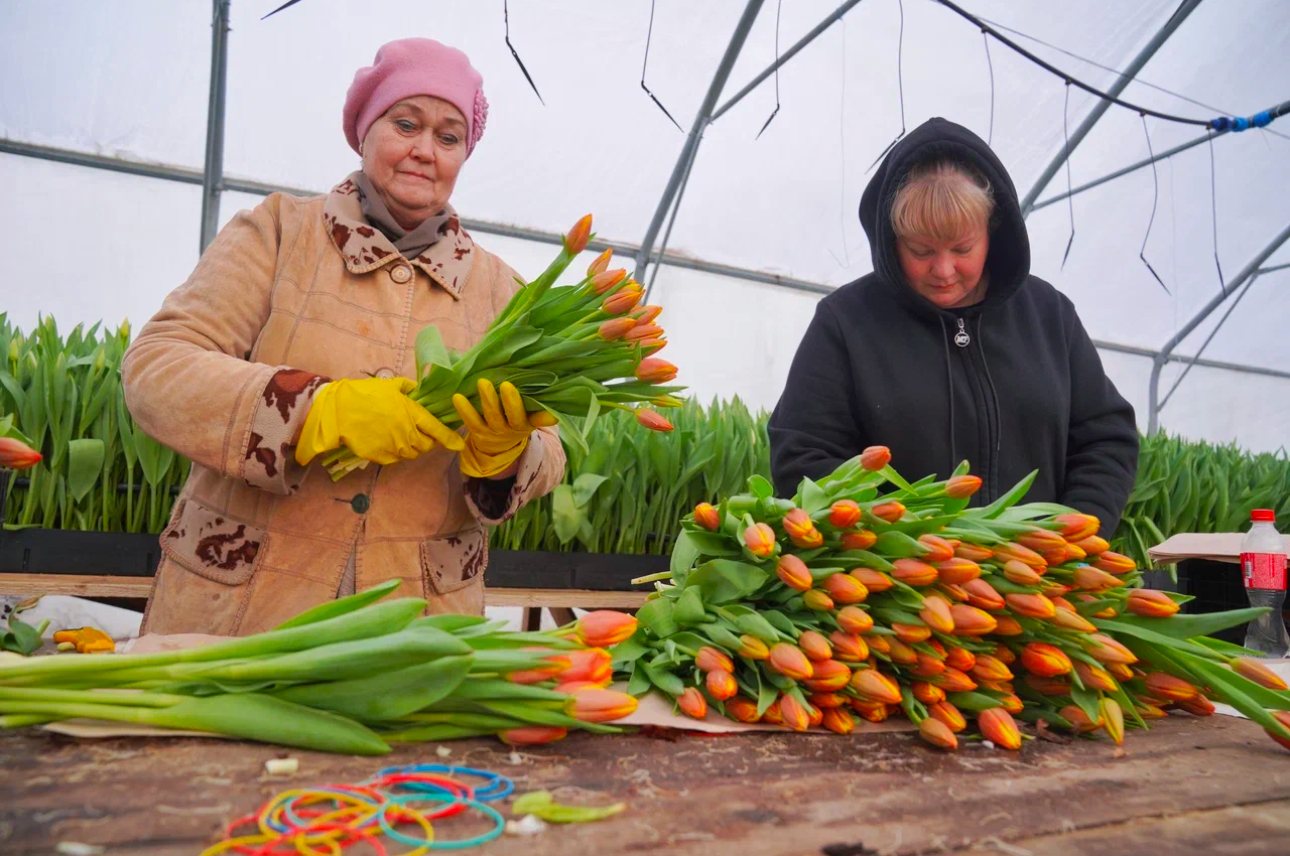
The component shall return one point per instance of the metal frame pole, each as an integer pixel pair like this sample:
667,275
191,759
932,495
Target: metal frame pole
1158,363
213,172
691,146
1126,77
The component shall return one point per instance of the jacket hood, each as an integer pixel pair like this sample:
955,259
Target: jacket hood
1008,262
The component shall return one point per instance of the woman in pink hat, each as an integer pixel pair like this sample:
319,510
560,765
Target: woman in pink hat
294,335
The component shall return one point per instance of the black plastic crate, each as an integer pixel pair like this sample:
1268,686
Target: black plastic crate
1217,586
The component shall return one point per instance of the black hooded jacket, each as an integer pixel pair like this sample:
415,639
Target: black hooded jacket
1011,384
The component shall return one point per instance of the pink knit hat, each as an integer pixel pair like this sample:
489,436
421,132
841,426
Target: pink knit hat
409,67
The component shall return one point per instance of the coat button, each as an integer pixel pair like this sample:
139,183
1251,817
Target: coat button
401,274
385,373
360,503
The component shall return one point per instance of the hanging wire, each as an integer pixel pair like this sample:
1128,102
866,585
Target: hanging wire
1213,208
900,83
1155,199
989,63
649,34
280,8
779,7
506,21
1070,200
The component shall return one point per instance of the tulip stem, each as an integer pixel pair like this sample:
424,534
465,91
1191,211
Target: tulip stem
653,578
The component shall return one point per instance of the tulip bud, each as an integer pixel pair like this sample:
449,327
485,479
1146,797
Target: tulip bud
1166,686
938,549
838,720
1093,545
870,710
878,643
948,714
538,674
911,634
588,664
954,681
1095,678
1031,605
1068,619
641,332
1104,649
888,511
571,687
1077,527
815,646
1004,654
605,280
1151,711
817,600
952,591
860,539
875,581
844,514
1058,686
1093,579
795,714
1113,719
1283,717
1114,563
709,659
655,370
912,572
928,666
760,539
576,240
937,733
773,715
1008,626
1047,661
830,676
601,263
982,595
646,314
1040,540
789,661
998,727
1150,603
1258,672
956,571
1057,555
815,714
1198,706
827,701
901,653
653,420
974,552
692,703
845,589
752,648
653,345
721,684
991,669
927,693
936,614
1061,602
1120,671
793,572
1025,555
1075,715
531,735
872,685
707,517
615,328
853,619
595,705
875,458
605,628
971,621
742,709
961,487
848,647
1019,573
1074,551
961,659
621,302
801,529
17,455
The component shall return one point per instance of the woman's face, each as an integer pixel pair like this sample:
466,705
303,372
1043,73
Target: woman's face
948,273
412,155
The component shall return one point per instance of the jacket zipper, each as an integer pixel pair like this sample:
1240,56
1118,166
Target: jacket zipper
989,468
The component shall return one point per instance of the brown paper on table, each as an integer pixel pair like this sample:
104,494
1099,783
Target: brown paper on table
1211,546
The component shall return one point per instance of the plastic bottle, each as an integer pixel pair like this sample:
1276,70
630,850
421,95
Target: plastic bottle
1263,567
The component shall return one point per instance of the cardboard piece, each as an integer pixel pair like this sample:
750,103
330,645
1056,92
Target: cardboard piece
1212,546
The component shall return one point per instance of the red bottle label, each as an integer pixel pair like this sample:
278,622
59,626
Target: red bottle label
1264,570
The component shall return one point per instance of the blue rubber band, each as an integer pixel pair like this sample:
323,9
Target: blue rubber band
499,786
461,844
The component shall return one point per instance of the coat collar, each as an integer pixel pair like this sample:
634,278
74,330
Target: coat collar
447,261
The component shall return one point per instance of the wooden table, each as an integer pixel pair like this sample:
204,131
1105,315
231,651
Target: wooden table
1190,786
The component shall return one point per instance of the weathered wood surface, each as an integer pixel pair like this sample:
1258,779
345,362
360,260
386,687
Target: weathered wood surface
1190,786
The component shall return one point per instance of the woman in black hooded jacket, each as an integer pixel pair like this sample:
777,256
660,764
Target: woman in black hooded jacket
951,350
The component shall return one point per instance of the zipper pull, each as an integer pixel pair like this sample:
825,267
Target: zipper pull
961,338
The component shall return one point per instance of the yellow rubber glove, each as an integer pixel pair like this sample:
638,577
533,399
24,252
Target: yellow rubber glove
374,419
497,439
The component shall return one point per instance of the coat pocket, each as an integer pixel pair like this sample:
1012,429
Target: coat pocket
212,545
451,562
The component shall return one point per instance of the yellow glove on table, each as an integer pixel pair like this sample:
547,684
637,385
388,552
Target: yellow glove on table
497,439
374,419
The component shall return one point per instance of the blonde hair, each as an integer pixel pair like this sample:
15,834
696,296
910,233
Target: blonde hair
942,201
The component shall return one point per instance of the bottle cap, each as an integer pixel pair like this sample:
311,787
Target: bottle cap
1263,515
